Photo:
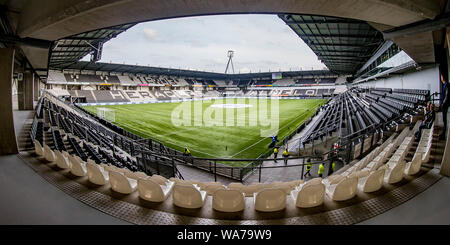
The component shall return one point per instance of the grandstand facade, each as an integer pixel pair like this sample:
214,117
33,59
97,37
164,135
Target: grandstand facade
358,147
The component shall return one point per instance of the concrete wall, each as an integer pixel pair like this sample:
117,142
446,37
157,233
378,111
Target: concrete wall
424,79
8,143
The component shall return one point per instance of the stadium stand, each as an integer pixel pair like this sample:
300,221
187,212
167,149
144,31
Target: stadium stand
85,145
361,113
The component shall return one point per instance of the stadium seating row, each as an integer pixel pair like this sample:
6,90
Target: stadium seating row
354,112
105,96
88,134
56,77
266,197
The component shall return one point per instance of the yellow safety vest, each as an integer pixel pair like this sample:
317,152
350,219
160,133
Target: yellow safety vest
275,150
187,151
308,166
332,166
321,169
285,153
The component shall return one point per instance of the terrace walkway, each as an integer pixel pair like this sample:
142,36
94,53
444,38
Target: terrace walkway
294,142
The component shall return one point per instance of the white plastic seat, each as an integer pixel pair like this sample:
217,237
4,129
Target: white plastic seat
311,182
96,174
151,191
394,174
38,149
249,190
427,153
235,186
359,174
136,175
287,187
396,158
110,168
61,160
228,200
176,180
188,196
124,170
295,183
120,183
372,182
77,167
193,182
179,181
213,187
270,200
309,195
373,166
66,154
344,190
203,185
333,179
413,167
159,179
49,155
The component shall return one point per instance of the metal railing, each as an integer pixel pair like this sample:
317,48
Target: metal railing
164,164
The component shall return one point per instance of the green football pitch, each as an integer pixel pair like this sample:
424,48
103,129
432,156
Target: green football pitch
222,128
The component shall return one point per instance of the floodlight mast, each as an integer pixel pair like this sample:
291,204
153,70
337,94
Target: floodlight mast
230,60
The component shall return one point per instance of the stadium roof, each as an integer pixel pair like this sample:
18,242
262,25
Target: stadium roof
135,69
70,50
343,45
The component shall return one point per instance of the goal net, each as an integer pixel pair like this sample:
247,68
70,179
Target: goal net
107,114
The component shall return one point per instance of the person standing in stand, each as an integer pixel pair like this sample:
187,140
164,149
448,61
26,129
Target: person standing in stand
444,104
285,155
321,170
308,168
275,153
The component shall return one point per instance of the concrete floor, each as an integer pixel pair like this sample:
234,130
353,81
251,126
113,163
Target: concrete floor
431,207
28,199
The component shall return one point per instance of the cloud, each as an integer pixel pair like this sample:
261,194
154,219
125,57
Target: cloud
245,70
150,34
260,42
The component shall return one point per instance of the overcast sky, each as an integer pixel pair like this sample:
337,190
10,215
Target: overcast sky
260,42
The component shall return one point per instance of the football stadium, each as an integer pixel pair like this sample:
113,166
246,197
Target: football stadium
283,113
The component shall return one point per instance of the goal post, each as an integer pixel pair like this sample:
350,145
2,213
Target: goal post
106,114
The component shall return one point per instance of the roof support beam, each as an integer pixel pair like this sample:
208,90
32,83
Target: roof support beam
71,51
83,38
325,36
369,45
386,45
328,21
418,27
72,46
426,8
322,51
32,42
343,57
